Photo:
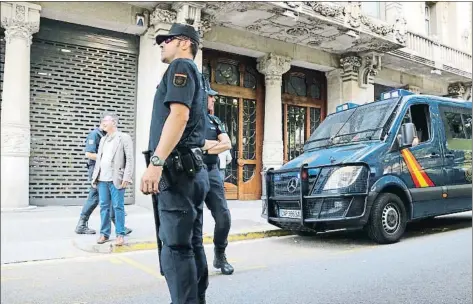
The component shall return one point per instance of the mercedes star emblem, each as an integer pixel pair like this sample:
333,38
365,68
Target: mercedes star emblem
292,185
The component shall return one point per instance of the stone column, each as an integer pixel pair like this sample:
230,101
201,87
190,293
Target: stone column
273,66
334,90
150,71
20,20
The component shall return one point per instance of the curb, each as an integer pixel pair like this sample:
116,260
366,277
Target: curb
139,245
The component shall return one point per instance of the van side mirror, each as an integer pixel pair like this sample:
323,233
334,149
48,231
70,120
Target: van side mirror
408,131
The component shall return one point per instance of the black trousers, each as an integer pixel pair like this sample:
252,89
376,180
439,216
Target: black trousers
183,257
217,204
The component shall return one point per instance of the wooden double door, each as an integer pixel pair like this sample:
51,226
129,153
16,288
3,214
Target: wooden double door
240,106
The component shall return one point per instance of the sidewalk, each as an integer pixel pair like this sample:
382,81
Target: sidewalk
48,232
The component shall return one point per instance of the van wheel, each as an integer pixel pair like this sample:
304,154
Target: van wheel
388,219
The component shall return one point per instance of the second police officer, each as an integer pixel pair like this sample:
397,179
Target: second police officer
217,141
176,168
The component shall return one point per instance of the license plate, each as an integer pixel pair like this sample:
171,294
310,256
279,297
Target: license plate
289,213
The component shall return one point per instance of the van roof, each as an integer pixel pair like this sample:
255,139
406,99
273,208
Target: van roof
442,100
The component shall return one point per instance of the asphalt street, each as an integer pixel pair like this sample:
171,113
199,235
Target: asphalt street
431,264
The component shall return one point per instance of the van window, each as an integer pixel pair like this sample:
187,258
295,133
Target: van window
419,115
457,122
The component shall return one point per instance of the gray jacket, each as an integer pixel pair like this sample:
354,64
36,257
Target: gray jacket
122,163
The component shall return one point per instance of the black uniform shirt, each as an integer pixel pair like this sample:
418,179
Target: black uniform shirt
92,143
182,83
214,128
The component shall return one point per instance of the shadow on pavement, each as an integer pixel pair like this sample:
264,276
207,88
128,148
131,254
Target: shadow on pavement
414,229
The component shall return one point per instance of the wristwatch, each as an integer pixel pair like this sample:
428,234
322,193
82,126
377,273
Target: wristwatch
156,161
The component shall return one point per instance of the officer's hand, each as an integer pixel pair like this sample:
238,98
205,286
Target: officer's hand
150,179
124,184
94,185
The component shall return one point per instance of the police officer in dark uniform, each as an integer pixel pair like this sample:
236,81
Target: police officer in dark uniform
217,141
177,174
91,148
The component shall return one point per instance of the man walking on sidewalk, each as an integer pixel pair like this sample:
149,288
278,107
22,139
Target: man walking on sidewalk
217,141
112,174
91,147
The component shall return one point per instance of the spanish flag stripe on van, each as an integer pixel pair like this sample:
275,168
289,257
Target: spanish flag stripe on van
420,178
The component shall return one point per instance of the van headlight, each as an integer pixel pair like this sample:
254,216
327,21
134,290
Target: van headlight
343,177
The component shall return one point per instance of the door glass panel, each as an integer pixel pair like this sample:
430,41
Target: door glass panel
250,78
248,172
314,119
227,72
296,131
249,129
226,108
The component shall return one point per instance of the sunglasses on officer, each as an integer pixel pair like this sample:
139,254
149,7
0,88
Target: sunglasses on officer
168,40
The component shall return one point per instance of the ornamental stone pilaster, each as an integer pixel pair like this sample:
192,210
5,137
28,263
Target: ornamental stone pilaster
20,21
273,67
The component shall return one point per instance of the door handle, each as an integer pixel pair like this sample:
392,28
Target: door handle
434,155
450,155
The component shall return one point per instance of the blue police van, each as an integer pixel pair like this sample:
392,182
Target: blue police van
377,166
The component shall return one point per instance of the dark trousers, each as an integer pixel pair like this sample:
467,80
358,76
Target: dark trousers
183,257
217,204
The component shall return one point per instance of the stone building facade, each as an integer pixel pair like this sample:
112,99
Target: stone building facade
280,69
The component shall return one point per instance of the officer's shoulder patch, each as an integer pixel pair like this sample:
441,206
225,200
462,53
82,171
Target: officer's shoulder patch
179,80
91,141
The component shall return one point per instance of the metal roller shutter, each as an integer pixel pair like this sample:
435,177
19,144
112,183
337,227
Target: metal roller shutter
77,73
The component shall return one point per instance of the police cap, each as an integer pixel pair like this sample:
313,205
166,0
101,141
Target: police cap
211,92
180,30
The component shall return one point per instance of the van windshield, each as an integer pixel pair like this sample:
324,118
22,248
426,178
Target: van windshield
362,123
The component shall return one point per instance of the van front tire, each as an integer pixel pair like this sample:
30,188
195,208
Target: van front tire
388,219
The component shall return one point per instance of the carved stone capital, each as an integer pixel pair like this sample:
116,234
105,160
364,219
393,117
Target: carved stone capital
15,140
350,65
20,20
457,89
162,16
273,66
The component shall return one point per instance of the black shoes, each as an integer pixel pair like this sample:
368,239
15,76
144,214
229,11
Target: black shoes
220,262
82,227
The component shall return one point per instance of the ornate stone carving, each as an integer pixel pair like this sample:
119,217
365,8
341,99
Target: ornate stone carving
297,31
350,63
206,24
162,16
457,89
18,23
355,19
15,139
400,29
326,9
353,13
371,65
20,29
379,29
273,66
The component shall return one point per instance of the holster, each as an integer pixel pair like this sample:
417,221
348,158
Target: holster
186,160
